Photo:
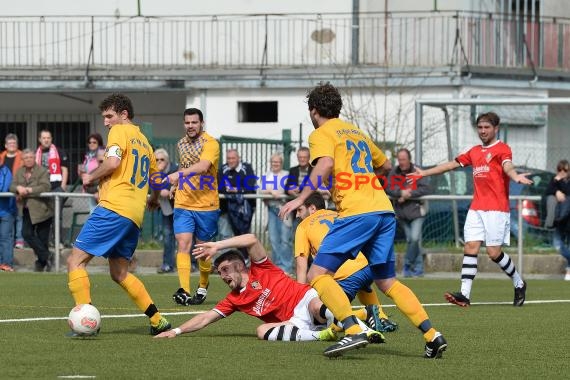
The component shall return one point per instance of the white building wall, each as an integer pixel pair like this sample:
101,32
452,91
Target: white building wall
555,8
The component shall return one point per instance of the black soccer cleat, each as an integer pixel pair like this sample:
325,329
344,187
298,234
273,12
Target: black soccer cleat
182,297
349,342
520,294
199,297
435,348
457,299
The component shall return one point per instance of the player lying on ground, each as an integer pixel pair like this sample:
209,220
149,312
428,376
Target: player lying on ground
291,311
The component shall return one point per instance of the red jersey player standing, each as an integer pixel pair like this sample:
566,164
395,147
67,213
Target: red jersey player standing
488,218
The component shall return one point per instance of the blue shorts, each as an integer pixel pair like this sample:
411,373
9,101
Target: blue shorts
203,224
359,280
108,234
372,234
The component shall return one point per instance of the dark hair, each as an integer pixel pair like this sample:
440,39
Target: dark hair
326,99
118,103
407,152
562,165
303,149
194,111
45,130
315,199
230,255
490,117
96,136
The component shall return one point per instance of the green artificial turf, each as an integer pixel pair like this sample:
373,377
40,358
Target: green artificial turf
491,341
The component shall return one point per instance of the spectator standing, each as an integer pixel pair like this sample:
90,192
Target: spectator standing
7,217
90,163
12,158
558,211
166,202
410,213
30,181
56,161
279,230
236,179
295,181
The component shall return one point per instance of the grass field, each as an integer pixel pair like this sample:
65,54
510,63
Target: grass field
491,339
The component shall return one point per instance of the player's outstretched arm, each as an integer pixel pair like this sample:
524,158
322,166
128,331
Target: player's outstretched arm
439,169
197,323
510,170
249,241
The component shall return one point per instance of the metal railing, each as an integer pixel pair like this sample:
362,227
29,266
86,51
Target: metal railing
408,39
258,218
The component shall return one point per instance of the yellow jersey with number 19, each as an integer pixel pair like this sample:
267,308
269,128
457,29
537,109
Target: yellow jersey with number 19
125,191
355,188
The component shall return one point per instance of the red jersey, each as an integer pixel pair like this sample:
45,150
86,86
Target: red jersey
269,295
490,183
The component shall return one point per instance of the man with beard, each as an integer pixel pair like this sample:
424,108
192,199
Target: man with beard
196,202
488,218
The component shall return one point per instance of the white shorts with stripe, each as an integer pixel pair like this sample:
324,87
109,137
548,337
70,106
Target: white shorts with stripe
491,227
302,317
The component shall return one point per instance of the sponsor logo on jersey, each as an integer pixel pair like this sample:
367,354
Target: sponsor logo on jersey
477,170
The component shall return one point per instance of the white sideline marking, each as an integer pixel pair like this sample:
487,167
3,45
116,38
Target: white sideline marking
76,377
39,319
103,317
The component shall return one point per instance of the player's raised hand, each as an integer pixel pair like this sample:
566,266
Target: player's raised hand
521,178
205,250
290,207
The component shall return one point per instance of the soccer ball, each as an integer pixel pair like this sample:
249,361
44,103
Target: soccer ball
84,320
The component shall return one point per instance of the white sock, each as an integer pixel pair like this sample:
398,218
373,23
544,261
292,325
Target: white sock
290,333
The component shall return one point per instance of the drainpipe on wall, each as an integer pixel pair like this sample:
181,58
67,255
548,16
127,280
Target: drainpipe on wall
355,31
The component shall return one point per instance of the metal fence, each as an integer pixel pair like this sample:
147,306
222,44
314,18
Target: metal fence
70,218
418,39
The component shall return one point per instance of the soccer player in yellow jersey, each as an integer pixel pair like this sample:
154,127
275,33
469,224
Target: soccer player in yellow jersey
366,223
196,202
354,276
113,229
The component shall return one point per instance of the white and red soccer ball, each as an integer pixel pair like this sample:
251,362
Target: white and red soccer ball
84,320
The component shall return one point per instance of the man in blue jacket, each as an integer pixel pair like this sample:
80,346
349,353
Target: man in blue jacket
7,217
